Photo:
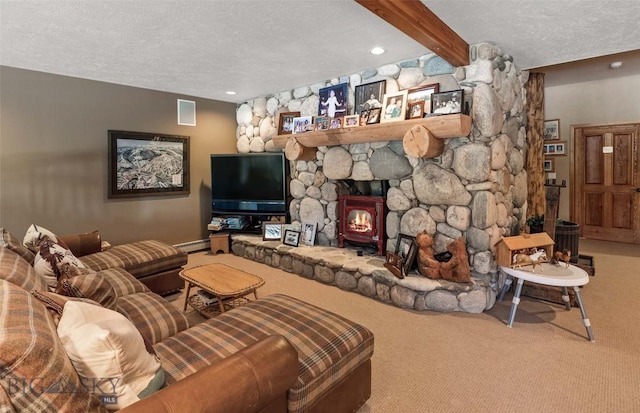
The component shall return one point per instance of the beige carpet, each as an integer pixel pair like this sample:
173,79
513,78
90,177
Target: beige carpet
458,362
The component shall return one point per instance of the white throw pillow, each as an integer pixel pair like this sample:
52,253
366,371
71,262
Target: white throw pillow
109,354
34,235
50,258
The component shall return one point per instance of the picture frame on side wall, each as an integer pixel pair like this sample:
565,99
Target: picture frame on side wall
164,172
552,130
555,149
548,165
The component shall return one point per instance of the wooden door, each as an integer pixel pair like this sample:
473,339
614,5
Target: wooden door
606,181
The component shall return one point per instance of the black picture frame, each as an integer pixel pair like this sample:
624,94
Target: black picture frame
410,259
363,93
406,249
291,237
147,164
443,103
325,104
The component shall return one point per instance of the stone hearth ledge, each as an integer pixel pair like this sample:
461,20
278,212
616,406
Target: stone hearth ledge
366,275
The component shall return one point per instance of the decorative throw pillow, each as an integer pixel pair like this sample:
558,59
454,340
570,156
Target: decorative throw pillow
89,285
18,271
34,235
55,303
7,240
34,360
50,258
108,351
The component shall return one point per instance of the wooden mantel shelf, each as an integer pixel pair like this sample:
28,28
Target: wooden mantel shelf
442,127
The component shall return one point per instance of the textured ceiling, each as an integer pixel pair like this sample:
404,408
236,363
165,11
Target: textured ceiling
256,47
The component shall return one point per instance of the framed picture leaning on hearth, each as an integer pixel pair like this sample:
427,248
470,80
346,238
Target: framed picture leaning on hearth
147,164
291,237
308,234
406,248
271,231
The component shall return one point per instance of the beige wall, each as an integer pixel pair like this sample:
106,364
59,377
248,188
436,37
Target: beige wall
53,157
603,101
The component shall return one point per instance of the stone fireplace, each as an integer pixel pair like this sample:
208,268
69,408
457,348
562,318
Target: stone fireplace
476,188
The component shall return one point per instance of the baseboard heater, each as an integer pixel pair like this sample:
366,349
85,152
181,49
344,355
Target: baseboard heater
193,246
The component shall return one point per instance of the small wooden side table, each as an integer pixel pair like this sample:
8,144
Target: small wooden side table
224,282
555,275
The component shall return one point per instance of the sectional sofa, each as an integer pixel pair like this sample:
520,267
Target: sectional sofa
273,354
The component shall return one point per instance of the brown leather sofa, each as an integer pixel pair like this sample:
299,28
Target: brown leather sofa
258,378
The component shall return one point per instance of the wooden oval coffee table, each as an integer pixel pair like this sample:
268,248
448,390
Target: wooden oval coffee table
224,282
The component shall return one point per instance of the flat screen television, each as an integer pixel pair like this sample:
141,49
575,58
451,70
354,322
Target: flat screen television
255,183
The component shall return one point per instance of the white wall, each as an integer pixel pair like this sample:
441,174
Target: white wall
615,100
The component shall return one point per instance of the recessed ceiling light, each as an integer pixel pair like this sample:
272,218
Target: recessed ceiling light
615,65
377,50
230,92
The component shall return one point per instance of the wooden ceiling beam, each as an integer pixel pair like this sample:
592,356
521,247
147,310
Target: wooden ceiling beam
418,22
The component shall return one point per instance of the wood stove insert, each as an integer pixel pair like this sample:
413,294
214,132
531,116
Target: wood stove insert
362,221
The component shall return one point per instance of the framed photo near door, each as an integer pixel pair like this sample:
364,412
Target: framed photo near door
552,130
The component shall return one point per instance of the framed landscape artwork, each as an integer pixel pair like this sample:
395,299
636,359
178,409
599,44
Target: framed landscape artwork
147,164
333,101
369,96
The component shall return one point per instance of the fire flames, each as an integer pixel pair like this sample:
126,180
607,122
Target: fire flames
361,222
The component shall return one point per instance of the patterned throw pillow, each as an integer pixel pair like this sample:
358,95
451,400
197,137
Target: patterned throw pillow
34,235
18,271
87,284
108,351
50,258
55,303
7,240
37,375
